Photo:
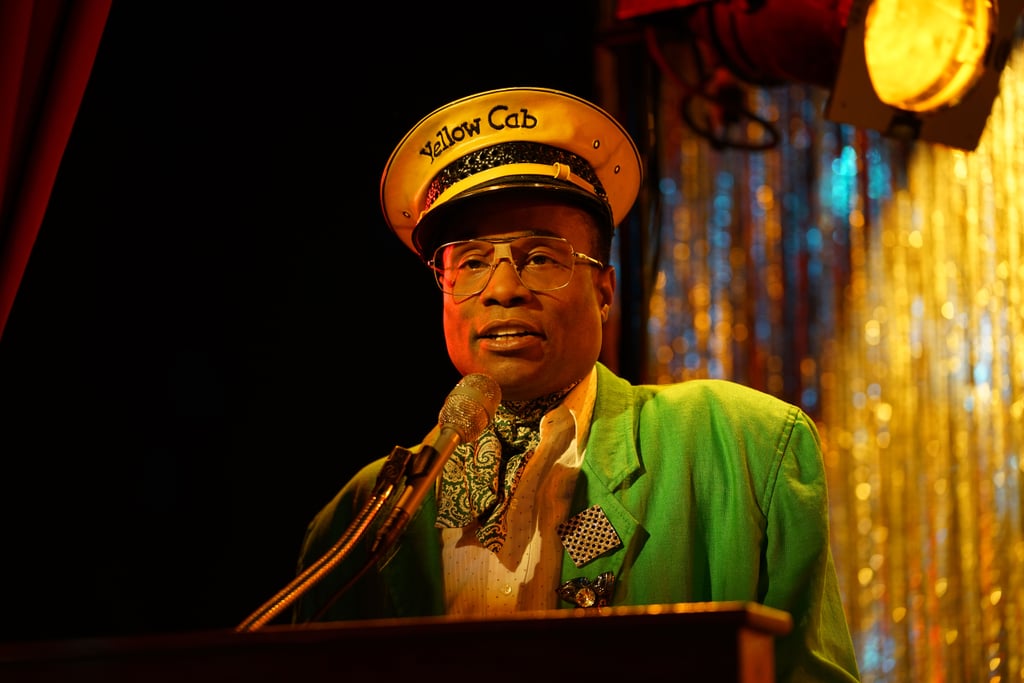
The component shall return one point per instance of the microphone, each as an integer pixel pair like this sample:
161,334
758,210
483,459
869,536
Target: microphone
466,413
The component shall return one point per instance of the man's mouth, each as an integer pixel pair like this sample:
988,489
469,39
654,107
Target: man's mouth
506,335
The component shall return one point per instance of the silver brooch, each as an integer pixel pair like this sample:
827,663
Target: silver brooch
583,592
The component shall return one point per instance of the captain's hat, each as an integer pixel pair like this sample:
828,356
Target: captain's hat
503,139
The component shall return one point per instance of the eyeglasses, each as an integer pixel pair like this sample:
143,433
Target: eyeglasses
543,263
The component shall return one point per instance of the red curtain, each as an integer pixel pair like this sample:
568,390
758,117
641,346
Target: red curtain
47,50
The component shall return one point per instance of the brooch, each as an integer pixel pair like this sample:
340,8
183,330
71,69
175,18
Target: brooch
583,592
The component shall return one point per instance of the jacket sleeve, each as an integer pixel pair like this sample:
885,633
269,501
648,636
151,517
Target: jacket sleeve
322,533
405,581
801,576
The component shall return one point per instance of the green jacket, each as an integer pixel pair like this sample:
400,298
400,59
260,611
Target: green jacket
717,491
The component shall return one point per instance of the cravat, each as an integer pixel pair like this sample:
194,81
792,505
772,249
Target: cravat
479,479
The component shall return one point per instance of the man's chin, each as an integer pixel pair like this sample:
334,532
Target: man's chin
521,381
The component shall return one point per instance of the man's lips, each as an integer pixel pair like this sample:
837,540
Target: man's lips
507,330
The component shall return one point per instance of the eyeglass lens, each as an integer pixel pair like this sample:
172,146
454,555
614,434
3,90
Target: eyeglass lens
543,263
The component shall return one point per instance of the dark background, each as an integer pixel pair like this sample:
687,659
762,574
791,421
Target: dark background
216,329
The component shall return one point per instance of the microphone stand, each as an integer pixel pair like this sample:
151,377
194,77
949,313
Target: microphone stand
394,470
467,411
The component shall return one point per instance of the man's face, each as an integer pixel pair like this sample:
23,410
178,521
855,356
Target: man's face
531,343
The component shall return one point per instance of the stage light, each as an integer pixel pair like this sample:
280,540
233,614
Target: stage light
912,69
923,69
934,65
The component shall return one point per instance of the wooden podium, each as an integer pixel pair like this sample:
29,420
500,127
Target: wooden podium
720,642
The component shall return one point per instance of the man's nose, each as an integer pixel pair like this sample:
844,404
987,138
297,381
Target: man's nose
504,278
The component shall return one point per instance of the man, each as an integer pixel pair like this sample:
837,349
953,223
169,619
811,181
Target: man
585,489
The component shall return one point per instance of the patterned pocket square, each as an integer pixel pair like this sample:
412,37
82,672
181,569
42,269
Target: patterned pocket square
588,535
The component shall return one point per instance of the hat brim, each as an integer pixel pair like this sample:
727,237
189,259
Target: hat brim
427,235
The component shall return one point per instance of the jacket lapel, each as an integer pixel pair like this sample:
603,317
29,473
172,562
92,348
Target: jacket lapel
611,467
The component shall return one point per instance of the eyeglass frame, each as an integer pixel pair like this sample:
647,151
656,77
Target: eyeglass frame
578,257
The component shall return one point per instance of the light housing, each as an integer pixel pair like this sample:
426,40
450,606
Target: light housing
889,80
911,69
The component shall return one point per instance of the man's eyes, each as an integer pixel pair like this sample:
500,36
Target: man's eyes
537,257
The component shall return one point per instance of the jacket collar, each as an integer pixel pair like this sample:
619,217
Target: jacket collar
611,466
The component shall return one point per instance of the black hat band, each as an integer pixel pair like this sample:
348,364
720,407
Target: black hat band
505,154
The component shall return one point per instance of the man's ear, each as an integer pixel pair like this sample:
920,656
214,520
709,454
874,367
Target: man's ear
606,290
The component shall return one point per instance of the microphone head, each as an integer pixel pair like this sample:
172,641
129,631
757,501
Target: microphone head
470,406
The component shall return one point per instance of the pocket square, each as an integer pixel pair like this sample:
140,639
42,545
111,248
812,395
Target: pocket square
588,535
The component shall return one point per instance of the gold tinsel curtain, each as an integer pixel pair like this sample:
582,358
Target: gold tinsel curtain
880,286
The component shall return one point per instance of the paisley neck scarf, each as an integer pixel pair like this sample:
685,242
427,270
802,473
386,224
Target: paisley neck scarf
479,479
